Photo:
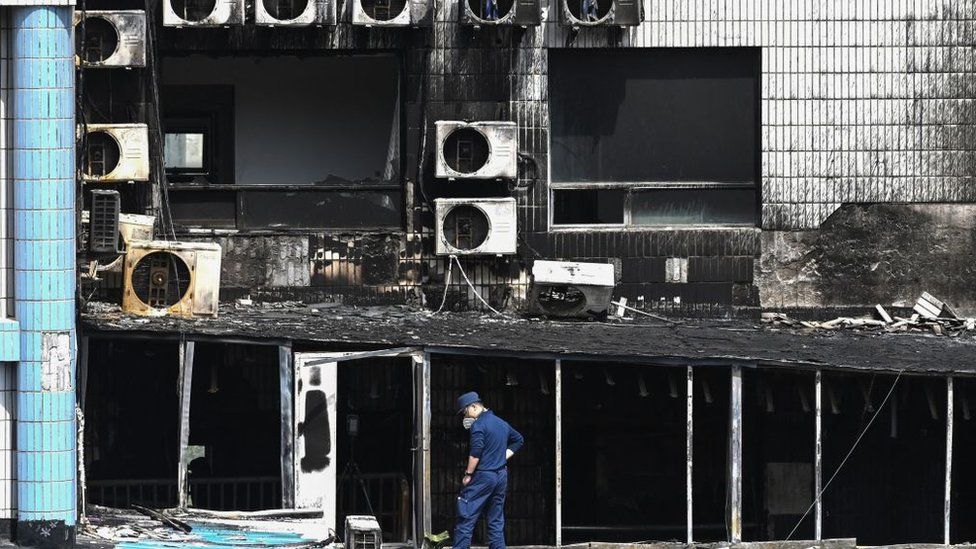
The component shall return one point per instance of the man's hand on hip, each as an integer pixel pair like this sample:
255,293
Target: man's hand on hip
466,480
509,454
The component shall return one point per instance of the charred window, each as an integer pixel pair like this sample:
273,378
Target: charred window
279,128
678,129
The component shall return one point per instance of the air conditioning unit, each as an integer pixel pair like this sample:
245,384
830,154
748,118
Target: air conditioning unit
522,13
390,13
294,13
601,13
475,226
116,152
103,222
203,13
571,289
110,38
476,150
178,278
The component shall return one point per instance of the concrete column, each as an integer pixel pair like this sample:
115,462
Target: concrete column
44,271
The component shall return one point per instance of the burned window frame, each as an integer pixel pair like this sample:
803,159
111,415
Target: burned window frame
633,188
221,187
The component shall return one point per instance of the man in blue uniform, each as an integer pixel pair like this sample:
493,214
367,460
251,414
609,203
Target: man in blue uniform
485,481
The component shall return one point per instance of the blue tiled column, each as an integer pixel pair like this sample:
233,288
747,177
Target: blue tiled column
44,272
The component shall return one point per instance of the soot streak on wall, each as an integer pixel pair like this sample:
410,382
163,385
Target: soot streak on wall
868,254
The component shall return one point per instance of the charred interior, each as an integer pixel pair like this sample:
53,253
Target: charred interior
234,447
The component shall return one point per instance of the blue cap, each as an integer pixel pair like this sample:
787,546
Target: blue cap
467,399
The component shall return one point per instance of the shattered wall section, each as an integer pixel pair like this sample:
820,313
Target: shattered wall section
873,254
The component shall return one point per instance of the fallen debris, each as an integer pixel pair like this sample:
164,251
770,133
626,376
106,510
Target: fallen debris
932,315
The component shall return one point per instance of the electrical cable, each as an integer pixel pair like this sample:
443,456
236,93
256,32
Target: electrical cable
864,431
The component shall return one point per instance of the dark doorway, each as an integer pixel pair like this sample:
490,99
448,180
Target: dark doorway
523,393
891,489
624,452
778,453
132,423
963,518
374,439
711,446
234,451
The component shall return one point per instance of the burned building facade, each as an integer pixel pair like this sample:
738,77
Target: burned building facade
303,227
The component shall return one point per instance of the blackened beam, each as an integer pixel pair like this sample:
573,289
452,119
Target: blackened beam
395,352
286,382
186,385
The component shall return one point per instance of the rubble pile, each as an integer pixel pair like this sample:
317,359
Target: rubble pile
930,315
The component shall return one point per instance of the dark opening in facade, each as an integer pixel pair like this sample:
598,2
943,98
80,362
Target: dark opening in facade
234,449
522,392
101,154
161,279
194,10
962,527
490,11
466,150
588,206
374,440
710,450
892,487
466,227
284,10
132,423
383,10
589,11
98,42
624,452
778,454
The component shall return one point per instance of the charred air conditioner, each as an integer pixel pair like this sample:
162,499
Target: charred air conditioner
390,13
115,152
522,13
476,150
601,13
171,278
475,226
363,532
103,223
108,39
203,13
571,289
294,13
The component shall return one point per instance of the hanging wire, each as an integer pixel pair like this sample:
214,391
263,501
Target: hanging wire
864,431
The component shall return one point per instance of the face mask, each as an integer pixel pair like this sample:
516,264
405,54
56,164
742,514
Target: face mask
467,423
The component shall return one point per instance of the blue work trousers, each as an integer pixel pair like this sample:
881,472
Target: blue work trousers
484,494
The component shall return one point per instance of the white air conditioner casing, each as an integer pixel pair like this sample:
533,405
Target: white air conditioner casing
620,13
151,289
571,289
501,139
130,32
317,12
132,141
132,227
499,224
413,13
225,13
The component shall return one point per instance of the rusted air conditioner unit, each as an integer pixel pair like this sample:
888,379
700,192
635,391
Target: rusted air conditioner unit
475,226
294,13
116,152
110,38
177,278
522,13
390,13
601,13
203,13
476,150
571,289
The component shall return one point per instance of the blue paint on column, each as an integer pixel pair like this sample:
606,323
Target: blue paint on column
44,272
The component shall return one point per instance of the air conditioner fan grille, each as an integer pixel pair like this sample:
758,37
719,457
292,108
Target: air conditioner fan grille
160,279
